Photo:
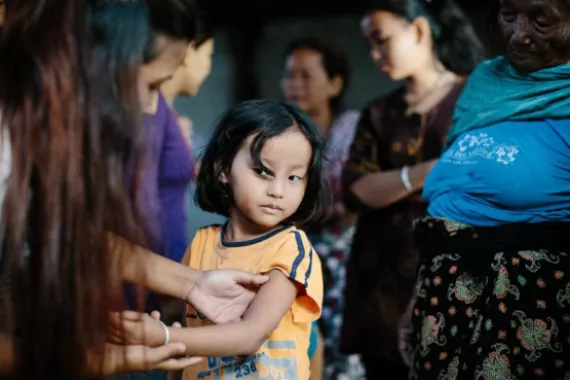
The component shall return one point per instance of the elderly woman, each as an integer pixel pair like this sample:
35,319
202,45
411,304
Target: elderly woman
493,295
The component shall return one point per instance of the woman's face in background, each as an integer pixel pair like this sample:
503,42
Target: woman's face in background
536,33
196,68
306,83
170,54
395,45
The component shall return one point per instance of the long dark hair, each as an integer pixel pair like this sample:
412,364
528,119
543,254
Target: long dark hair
455,41
265,119
67,185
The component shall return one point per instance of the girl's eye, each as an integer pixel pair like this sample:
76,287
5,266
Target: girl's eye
262,172
295,178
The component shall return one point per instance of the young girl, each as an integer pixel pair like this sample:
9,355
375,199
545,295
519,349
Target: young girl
262,169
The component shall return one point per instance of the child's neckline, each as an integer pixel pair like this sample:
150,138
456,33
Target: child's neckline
259,239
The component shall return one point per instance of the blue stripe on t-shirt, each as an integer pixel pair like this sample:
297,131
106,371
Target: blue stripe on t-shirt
300,256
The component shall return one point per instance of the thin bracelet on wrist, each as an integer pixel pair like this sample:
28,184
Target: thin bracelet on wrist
166,332
405,177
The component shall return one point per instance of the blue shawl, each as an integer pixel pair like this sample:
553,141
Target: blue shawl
497,92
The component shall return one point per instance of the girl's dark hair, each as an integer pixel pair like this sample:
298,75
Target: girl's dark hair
172,18
67,184
333,60
265,119
455,41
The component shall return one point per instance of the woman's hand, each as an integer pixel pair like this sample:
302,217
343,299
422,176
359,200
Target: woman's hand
137,358
223,295
140,338
134,328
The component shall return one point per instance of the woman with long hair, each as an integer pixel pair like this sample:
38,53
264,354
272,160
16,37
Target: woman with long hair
65,155
431,46
65,191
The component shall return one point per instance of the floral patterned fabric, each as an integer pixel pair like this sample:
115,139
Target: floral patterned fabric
500,312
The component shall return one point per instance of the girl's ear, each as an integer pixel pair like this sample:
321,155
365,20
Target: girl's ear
223,177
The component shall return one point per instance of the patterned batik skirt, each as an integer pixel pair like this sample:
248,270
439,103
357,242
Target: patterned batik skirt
492,303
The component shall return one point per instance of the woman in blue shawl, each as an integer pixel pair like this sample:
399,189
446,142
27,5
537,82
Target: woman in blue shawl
493,294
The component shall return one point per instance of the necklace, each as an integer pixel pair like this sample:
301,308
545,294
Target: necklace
423,106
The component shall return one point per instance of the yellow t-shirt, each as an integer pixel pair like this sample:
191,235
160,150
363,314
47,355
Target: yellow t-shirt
284,355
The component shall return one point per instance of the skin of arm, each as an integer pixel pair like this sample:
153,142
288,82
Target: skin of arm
246,336
243,337
221,295
142,267
364,179
383,189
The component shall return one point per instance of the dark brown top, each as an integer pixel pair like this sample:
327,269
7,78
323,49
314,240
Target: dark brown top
382,268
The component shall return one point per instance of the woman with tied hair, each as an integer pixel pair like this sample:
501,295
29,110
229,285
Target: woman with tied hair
67,138
315,78
431,46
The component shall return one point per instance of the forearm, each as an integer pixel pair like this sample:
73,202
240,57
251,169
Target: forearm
383,189
6,355
145,268
231,339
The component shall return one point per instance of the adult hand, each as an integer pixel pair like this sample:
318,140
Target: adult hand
133,328
186,128
137,358
223,295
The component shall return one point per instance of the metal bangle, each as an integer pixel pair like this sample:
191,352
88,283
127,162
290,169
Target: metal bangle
405,177
166,332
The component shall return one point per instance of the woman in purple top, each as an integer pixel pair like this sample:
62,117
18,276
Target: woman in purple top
171,173
176,165
180,68
164,53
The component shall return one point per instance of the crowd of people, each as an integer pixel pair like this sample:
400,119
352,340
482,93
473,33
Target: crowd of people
422,237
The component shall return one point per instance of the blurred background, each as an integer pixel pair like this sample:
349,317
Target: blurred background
250,40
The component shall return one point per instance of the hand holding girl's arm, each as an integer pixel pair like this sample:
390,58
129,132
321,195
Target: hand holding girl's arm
244,337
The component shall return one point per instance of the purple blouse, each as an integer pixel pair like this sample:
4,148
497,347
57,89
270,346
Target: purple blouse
169,175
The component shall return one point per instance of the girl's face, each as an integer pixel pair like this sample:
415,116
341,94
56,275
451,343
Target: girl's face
306,83
196,68
536,32
399,48
265,197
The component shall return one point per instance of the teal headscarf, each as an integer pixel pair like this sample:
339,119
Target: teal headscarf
497,92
